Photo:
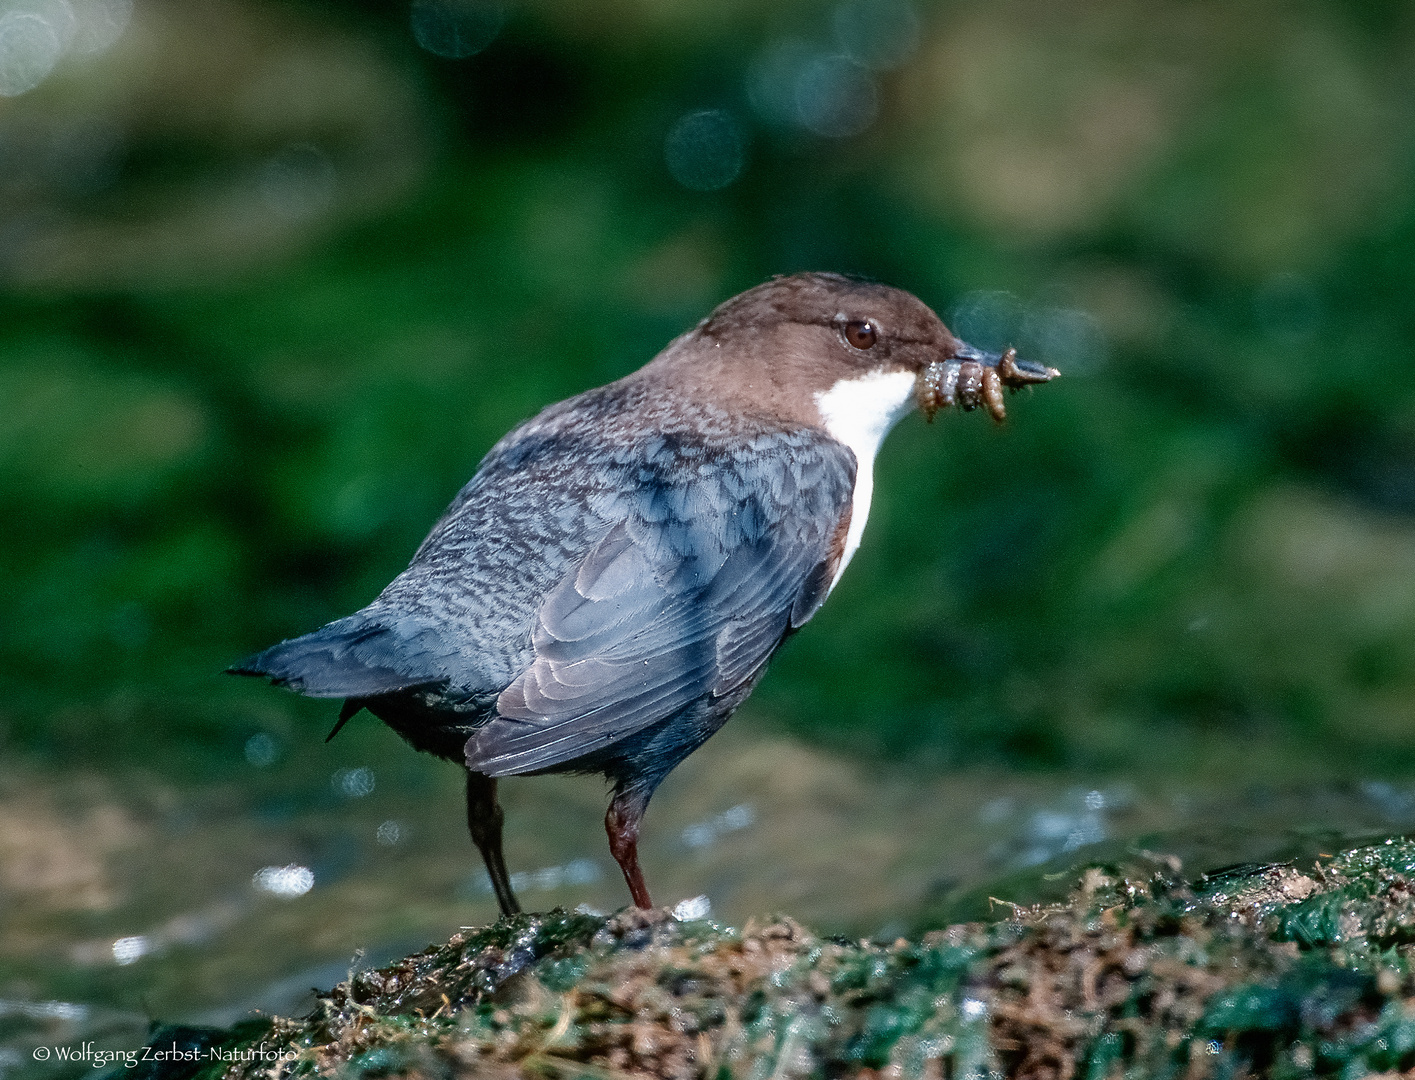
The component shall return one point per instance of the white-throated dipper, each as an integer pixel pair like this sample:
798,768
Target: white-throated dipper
609,586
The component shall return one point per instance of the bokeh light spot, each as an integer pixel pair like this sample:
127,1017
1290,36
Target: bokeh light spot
391,833
880,34
126,950
353,783
546,879
262,750
98,24
29,49
298,183
456,29
287,881
703,833
772,78
705,150
836,97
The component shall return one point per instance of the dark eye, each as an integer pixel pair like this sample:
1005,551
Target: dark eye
860,334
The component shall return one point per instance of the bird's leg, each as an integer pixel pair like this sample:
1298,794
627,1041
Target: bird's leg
626,813
484,817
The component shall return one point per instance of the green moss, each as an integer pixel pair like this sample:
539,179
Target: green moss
1264,969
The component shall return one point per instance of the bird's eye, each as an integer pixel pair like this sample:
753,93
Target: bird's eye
862,335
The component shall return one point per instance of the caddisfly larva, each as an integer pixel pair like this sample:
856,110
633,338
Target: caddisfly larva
970,382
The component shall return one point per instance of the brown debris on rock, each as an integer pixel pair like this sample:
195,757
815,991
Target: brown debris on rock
1257,970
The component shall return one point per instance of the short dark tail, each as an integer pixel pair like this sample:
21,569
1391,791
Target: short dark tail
351,658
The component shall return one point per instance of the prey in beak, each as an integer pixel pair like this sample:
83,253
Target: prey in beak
975,378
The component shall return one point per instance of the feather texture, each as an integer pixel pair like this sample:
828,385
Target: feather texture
614,560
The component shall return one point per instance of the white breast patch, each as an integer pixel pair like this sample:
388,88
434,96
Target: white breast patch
859,412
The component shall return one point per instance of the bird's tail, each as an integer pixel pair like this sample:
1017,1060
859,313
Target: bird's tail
354,657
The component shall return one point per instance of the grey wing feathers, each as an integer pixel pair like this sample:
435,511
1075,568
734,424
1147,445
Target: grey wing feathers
613,560
688,594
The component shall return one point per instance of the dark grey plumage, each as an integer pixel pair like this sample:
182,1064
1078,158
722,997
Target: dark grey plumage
611,562
610,585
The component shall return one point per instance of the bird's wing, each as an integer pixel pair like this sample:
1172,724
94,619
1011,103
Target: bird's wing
456,624
715,554
614,559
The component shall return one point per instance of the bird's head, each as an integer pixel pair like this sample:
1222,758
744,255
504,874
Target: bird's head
810,346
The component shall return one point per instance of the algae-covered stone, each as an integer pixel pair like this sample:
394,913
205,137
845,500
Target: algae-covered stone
1261,970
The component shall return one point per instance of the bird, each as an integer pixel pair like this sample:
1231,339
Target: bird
609,586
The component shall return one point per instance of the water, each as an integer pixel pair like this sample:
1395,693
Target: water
131,898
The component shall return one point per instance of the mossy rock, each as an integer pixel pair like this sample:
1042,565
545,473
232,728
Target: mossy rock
1258,970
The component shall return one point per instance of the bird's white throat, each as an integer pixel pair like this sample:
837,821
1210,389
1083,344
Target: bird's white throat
859,412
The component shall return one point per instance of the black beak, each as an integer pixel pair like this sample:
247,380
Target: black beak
988,359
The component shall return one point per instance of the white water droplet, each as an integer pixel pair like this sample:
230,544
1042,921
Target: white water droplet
695,907
128,949
286,881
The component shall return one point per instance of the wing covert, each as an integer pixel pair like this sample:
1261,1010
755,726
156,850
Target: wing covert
716,554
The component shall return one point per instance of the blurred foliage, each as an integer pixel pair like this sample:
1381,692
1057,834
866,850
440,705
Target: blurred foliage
275,278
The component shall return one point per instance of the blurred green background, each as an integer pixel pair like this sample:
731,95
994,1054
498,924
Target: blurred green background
276,275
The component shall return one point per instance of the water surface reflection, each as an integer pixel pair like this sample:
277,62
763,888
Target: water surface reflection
136,899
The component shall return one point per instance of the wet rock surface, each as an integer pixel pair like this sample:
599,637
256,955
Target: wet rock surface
1274,970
